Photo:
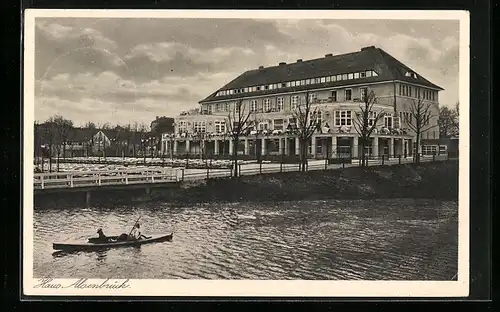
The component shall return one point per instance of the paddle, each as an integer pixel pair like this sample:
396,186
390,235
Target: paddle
134,226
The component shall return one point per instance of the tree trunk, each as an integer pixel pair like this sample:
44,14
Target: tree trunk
235,155
303,155
363,157
58,154
417,152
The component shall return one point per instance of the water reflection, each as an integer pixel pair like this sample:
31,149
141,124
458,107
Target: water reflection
384,239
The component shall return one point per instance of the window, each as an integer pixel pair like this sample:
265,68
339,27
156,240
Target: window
374,73
302,82
344,77
410,89
343,118
227,107
278,124
317,80
267,105
182,126
253,105
328,79
312,97
323,80
350,76
292,83
334,96
429,149
348,94
319,120
209,109
339,77
308,81
263,126
400,93
280,102
334,78
372,116
363,93
368,73
294,102
285,84
266,87
200,126
220,126
396,122
270,87
388,121
362,74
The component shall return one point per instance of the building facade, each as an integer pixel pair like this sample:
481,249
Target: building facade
336,87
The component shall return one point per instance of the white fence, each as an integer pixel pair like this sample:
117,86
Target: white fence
101,178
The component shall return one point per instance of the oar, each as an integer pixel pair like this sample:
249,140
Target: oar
134,226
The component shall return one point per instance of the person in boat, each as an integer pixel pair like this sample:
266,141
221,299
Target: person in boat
136,232
102,237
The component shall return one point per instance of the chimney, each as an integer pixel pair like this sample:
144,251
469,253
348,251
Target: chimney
282,63
329,54
261,67
299,60
368,48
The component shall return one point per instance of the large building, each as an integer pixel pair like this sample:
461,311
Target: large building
335,84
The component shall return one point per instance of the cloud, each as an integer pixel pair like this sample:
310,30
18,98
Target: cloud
126,69
82,37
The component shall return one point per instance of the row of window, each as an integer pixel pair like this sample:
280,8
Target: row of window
416,92
341,118
303,82
278,105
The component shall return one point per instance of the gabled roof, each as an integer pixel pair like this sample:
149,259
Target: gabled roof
386,66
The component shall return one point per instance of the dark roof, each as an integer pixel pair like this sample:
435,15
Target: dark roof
370,58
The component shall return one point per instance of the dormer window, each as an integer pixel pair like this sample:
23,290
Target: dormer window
411,74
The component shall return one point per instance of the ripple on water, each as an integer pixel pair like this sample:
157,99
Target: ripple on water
382,239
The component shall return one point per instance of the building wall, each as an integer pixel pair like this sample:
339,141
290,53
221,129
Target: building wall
404,103
388,97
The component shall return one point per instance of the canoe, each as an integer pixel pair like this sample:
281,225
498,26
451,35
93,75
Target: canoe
92,244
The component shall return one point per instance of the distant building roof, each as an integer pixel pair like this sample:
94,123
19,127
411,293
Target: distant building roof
386,66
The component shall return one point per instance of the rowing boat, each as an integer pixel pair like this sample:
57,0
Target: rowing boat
112,242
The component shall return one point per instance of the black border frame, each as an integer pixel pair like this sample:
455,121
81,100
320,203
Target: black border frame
480,147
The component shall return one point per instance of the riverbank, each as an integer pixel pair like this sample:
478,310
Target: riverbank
433,180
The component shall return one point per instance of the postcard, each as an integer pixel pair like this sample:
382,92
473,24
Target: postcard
246,153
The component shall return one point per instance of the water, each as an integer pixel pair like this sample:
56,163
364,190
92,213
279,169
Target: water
333,239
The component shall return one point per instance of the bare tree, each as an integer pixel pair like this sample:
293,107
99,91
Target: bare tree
237,125
307,123
90,125
49,134
419,121
365,122
256,120
142,129
63,127
448,121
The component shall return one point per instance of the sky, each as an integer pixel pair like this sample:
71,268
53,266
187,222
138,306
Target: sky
121,70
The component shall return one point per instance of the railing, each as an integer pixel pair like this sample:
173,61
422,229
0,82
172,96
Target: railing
145,176
323,164
102,178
